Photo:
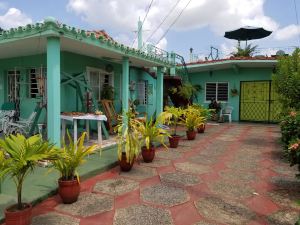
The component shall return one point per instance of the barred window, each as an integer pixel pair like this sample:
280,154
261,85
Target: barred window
142,87
216,90
37,82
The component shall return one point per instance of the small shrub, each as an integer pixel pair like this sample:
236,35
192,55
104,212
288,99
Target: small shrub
290,128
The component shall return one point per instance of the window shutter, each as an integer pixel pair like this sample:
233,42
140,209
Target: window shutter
141,88
222,91
211,91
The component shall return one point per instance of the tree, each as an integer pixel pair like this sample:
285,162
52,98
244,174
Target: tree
244,52
287,81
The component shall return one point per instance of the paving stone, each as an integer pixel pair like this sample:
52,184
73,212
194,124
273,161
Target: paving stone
164,195
157,162
169,154
140,172
117,186
224,211
226,137
237,175
286,182
231,189
243,165
285,170
192,168
204,223
54,219
142,214
179,179
88,204
203,159
286,198
284,217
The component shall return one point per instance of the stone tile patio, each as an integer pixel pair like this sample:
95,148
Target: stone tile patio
231,174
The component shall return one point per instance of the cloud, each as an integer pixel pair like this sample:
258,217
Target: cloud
218,15
14,18
287,33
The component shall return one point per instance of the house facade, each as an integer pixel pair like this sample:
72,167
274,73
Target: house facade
54,67
244,84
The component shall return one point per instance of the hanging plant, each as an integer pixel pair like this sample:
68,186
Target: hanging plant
234,92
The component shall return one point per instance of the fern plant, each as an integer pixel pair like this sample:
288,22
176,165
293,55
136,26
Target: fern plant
20,155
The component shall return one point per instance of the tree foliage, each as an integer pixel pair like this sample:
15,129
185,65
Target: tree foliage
287,81
244,52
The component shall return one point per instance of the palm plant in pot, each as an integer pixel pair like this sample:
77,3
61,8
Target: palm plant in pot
71,156
151,132
202,112
128,140
171,116
18,157
191,120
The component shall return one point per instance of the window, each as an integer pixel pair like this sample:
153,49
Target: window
13,85
142,88
37,82
217,90
98,78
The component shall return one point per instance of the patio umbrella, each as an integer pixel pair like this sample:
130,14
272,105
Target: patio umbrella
247,33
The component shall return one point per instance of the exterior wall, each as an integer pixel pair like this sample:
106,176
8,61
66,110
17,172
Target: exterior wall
233,77
72,64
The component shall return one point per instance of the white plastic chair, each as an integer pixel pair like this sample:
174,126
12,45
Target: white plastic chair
227,112
21,126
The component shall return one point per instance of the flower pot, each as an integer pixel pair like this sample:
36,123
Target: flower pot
148,154
18,217
68,190
124,165
191,134
174,140
201,128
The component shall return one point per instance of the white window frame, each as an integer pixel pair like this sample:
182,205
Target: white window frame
101,72
217,82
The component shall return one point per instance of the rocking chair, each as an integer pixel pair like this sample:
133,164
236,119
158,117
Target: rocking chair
5,117
112,116
22,126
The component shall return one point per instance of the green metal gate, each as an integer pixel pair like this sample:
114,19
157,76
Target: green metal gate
258,102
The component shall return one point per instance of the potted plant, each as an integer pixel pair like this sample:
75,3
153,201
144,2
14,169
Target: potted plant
151,132
71,156
107,92
171,116
234,92
128,140
18,157
191,120
203,112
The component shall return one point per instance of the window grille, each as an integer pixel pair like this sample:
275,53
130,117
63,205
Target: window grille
142,88
216,90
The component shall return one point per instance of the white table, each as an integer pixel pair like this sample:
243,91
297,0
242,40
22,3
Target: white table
87,117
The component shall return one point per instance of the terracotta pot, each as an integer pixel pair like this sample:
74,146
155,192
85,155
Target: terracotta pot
148,154
201,128
124,165
174,140
18,217
191,134
68,190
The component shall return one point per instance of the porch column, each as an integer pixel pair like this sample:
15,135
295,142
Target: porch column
159,90
53,90
125,85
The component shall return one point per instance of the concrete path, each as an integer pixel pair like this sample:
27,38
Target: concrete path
231,174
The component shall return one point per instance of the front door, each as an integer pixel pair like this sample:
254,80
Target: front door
258,102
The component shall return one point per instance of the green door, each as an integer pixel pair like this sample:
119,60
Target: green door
258,102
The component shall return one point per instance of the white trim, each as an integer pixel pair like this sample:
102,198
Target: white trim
217,82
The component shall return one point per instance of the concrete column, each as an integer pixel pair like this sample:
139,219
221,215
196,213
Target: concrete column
125,85
53,90
173,61
159,90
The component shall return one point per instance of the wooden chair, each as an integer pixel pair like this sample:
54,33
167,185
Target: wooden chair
112,116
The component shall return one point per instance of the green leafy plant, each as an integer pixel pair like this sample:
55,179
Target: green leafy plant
71,156
286,81
290,128
234,92
202,112
20,155
151,132
128,137
192,119
107,92
171,116
187,91
248,51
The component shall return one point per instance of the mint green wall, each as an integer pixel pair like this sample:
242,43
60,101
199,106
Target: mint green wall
233,78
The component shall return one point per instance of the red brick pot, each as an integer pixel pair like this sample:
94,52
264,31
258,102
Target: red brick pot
201,128
68,190
18,217
124,165
191,134
148,154
174,140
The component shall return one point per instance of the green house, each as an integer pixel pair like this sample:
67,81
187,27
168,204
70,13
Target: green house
244,84
54,65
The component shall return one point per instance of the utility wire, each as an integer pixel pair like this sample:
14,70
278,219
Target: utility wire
173,8
297,20
174,22
139,30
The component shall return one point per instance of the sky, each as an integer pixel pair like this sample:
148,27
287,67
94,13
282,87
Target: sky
201,24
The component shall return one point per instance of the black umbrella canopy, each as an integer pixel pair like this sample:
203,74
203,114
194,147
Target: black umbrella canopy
247,33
